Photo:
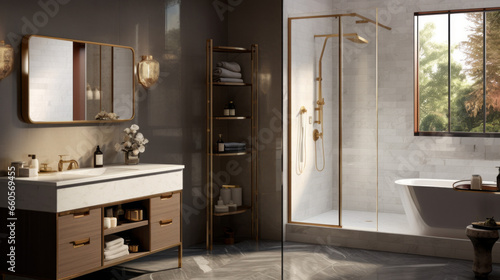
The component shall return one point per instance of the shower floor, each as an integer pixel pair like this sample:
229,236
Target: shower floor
363,220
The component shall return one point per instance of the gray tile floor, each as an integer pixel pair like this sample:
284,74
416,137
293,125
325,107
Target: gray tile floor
250,260
262,261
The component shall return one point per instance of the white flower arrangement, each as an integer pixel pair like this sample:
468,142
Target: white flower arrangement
133,141
103,116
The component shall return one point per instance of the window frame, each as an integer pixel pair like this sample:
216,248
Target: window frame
416,85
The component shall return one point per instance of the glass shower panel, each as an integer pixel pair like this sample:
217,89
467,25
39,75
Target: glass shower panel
313,165
359,123
333,120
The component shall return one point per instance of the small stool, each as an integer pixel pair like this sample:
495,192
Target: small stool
483,241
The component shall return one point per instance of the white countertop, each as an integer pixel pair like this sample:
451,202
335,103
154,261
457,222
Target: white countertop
86,187
92,175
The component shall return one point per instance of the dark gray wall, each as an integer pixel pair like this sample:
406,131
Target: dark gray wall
172,114
259,22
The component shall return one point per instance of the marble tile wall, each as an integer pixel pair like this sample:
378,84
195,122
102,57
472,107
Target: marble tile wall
313,192
401,154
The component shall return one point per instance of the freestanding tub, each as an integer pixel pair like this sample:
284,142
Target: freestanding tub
434,208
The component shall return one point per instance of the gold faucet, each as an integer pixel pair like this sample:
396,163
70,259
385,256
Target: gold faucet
73,164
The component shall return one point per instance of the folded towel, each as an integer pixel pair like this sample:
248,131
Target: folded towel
224,73
117,255
233,66
113,247
228,80
116,251
110,240
234,145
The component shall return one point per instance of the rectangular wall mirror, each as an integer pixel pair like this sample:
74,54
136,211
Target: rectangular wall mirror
70,81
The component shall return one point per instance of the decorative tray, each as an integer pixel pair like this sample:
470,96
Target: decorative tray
464,185
480,225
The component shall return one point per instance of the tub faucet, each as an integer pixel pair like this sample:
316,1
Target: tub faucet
73,164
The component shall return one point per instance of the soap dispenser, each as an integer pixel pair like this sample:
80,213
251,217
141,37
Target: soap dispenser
34,163
98,158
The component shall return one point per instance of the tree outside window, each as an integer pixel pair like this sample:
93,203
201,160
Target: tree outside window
458,75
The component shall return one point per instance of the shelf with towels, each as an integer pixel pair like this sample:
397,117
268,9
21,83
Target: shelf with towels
119,260
225,80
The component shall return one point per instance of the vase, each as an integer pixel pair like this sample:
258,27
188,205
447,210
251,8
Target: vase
130,158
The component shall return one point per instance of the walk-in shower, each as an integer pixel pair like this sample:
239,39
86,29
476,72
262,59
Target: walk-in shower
332,73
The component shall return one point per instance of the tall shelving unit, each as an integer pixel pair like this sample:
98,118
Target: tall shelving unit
215,121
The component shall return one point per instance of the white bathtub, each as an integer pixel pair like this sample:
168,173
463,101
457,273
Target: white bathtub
434,208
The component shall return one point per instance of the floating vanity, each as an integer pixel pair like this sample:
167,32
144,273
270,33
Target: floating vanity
59,232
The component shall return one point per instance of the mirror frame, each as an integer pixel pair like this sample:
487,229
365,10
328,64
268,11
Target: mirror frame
25,82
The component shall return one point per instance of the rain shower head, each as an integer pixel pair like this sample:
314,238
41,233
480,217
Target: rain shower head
353,37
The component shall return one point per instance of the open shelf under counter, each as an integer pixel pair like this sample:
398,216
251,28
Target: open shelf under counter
130,256
125,226
239,210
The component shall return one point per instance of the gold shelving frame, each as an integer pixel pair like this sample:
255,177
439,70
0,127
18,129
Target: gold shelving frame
252,151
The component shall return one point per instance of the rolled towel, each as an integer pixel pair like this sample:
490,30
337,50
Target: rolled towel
228,80
111,240
233,66
224,73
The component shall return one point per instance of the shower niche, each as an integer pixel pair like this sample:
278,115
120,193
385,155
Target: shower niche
333,119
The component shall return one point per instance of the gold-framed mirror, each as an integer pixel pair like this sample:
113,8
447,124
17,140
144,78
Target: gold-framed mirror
72,81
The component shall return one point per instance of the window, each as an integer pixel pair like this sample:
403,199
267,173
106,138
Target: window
457,73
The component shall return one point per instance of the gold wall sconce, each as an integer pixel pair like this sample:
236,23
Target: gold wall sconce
6,59
148,71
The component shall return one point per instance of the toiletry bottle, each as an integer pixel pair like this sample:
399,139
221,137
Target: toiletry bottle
220,144
119,212
232,108
34,163
98,158
498,178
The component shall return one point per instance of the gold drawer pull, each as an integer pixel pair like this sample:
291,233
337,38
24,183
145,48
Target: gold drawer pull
164,223
166,196
80,243
81,214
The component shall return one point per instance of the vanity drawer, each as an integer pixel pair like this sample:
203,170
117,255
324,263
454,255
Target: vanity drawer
77,256
78,225
166,232
165,206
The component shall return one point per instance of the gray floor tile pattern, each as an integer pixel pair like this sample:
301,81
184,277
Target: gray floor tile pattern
249,260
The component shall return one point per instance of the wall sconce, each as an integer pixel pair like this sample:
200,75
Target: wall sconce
148,71
6,59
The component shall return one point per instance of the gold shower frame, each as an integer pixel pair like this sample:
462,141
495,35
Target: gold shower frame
340,36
